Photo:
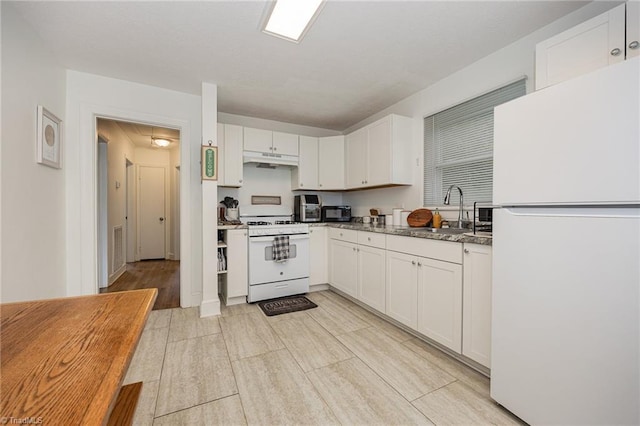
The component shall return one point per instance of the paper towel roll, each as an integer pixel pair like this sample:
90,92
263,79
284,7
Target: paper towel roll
404,216
397,217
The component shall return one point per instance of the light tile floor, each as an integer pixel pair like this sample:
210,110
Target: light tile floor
334,364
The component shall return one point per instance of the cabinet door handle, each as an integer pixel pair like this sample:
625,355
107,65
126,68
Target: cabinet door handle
419,264
240,181
413,262
275,148
466,251
369,238
320,184
301,184
615,52
354,249
634,44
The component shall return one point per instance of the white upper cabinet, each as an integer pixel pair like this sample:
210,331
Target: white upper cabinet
258,140
270,142
356,158
633,29
305,176
285,143
601,41
230,155
378,163
380,154
331,163
320,164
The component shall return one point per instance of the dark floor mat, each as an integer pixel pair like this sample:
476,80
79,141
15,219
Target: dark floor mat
284,305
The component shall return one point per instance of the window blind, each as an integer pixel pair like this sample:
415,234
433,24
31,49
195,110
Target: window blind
458,146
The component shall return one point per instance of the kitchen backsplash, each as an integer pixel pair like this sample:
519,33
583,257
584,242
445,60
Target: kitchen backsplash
273,182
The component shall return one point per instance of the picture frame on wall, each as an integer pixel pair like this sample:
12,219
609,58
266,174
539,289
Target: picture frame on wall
49,139
209,160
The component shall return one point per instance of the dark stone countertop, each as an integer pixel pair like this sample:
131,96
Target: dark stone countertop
406,231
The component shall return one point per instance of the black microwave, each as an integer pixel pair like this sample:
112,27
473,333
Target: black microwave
336,213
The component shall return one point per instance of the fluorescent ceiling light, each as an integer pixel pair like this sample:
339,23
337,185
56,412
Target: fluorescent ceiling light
291,18
161,142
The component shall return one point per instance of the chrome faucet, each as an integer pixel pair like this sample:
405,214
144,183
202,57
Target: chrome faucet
447,198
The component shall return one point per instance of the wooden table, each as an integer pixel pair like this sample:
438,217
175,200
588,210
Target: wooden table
63,360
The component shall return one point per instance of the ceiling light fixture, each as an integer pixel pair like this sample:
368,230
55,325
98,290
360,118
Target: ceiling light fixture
161,143
290,19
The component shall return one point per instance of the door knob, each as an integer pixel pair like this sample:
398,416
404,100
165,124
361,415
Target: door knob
162,219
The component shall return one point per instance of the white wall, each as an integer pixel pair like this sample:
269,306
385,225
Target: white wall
119,149
278,126
89,96
174,179
33,195
489,73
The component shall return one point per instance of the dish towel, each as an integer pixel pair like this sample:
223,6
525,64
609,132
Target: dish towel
281,248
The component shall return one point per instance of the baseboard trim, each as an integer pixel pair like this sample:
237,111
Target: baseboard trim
209,308
117,274
318,287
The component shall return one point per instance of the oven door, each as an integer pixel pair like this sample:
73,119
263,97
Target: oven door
262,267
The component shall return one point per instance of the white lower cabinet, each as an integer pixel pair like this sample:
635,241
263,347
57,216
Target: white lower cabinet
440,302
476,314
318,253
371,271
425,293
343,258
357,265
402,288
428,285
235,283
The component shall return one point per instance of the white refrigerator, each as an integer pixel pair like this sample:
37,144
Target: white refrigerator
566,251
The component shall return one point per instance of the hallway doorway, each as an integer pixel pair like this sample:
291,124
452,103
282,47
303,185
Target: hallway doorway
139,212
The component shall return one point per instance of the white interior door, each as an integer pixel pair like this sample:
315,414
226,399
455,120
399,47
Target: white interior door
151,208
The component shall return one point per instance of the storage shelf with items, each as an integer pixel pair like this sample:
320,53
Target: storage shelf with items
233,275
222,257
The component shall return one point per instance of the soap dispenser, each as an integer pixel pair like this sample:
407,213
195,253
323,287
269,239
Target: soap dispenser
437,219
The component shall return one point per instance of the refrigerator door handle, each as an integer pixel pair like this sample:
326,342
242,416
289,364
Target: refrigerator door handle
631,212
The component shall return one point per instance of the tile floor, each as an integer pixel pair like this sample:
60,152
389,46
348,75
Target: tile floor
335,364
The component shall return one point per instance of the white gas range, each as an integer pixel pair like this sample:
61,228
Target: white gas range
269,276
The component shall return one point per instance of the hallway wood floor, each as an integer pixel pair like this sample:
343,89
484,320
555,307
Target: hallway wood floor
161,274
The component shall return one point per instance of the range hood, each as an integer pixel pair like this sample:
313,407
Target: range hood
263,159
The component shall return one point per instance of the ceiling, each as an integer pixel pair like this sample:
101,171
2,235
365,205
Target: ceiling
141,134
358,58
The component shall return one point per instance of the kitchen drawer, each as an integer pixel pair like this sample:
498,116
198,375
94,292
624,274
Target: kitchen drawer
372,239
348,235
434,249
